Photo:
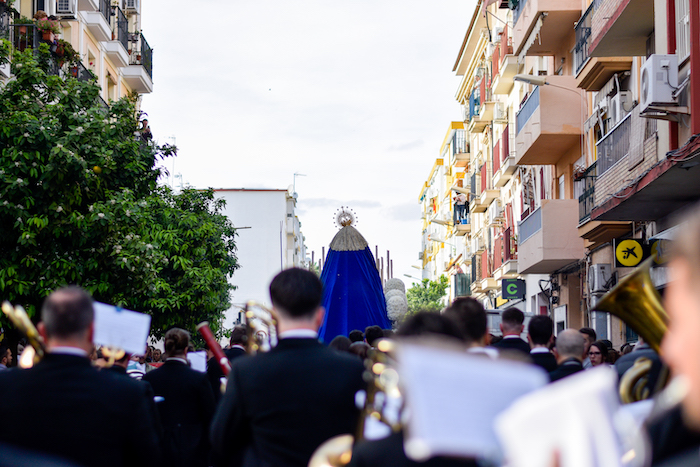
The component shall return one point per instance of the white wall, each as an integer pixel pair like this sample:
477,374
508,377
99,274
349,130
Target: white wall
259,253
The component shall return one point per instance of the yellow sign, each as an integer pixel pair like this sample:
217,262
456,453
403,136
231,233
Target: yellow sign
660,248
501,301
629,253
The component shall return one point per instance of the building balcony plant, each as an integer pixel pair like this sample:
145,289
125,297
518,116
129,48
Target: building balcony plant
65,53
49,29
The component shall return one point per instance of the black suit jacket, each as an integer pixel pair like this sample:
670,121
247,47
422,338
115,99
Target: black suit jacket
185,412
65,407
545,360
286,402
513,344
214,373
567,367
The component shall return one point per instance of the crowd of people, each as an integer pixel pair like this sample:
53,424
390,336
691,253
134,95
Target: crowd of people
279,406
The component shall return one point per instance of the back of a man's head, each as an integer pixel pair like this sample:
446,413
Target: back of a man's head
356,336
67,313
512,319
372,333
424,323
296,293
590,332
470,317
540,329
238,335
570,343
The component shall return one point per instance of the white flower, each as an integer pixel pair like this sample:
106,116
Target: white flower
25,98
42,128
5,203
59,145
17,164
80,130
100,215
91,208
20,207
19,219
33,164
19,181
129,236
124,260
128,213
113,201
26,135
27,236
19,65
149,246
40,183
59,209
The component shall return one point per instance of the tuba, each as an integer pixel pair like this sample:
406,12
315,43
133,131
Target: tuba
37,349
636,302
382,382
261,328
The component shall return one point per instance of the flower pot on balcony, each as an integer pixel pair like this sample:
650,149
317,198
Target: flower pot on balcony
48,36
23,30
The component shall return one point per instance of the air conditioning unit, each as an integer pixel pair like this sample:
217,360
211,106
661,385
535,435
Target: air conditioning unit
478,244
620,105
598,276
500,113
659,81
65,7
495,212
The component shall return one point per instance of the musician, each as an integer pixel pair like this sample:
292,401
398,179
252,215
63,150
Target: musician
5,357
282,404
470,319
65,407
187,407
540,335
569,351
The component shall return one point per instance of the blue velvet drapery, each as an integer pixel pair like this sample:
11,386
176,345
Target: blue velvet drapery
352,294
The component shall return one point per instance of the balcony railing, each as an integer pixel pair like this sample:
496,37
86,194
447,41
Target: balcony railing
474,103
105,9
497,158
462,283
527,109
530,225
583,39
510,247
460,145
120,27
460,214
142,54
584,188
476,268
5,15
615,145
475,184
24,36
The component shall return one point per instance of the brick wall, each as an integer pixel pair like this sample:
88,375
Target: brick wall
641,157
604,13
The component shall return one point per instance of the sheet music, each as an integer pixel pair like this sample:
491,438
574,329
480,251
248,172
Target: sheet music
573,416
198,360
123,329
453,398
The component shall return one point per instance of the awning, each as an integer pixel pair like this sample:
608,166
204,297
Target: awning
531,38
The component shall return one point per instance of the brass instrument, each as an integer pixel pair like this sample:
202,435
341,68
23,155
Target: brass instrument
37,349
382,379
261,328
635,301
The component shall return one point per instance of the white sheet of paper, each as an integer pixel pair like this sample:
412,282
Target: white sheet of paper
573,416
198,360
123,329
453,398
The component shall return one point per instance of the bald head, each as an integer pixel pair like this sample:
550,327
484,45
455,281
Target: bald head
67,313
570,344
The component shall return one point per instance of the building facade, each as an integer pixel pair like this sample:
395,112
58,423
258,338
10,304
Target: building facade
268,240
106,36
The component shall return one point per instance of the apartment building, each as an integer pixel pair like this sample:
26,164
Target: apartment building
105,34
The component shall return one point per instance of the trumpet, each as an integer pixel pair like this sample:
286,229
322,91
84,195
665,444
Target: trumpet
33,353
261,328
382,383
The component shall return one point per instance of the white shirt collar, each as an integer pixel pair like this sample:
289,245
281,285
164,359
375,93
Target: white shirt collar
69,351
539,350
177,359
512,336
237,346
488,351
299,333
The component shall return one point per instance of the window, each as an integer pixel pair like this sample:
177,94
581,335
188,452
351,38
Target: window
682,29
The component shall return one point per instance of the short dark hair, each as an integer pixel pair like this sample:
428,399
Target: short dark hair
600,345
3,351
340,343
67,312
429,322
356,336
589,332
470,317
176,341
360,349
372,333
296,292
512,317
540,329
239,335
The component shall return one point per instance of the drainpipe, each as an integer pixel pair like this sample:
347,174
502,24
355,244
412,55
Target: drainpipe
695,67
671,41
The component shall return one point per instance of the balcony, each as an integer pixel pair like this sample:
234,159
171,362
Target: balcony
118,48
488,193
475,195
584,189
476,275
503,81
552,30
504,170
97,22
460,218
461,283
88,5
462,159
548,123
549,238
485,114
620,28
614,146
139,73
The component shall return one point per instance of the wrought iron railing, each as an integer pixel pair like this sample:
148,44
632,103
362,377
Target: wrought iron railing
460,145
24,36
584,187
142,54
105,9
462,285
80,72
583,39
120,27
102,103
475,185
615,145
527,109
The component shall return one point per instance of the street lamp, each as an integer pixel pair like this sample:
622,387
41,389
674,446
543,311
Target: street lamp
419,280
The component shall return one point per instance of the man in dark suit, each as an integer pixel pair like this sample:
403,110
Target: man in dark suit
236,350
540,335
66,408
471,321
284,403
512,326
569,352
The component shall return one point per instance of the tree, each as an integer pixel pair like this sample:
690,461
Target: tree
427,296
80,204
